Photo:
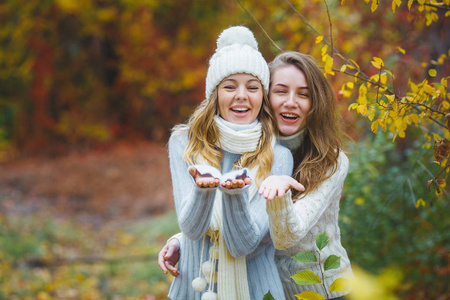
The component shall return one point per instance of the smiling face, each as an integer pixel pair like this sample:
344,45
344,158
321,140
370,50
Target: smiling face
289,98
240,98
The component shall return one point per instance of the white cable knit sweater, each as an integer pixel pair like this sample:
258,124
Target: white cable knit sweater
294,227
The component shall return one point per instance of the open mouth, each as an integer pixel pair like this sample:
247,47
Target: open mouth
289,117
240,109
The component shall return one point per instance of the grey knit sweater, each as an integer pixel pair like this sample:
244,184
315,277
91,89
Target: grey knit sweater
245,223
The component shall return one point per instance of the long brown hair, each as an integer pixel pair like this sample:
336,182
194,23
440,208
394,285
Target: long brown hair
203,138
317,157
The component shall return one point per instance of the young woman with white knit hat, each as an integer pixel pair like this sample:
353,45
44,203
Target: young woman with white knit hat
217,161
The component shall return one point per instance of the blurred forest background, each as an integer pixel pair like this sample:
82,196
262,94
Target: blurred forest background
90,89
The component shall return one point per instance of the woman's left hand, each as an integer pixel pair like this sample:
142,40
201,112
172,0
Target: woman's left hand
238,182
278,186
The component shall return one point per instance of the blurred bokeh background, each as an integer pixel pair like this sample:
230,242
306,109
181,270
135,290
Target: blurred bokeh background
89,91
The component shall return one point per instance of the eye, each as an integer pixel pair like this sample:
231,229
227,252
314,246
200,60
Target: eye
253,88
228,87
303,95
280,92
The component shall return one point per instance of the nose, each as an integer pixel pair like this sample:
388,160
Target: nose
290,101
241,93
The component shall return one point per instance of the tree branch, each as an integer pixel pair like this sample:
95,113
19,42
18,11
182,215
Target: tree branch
260,26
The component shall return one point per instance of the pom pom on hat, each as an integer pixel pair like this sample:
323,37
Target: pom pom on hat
237,52
236,35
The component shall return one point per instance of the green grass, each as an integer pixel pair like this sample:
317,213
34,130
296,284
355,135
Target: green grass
45,257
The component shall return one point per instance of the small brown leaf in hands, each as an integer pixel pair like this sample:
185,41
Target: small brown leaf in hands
441,150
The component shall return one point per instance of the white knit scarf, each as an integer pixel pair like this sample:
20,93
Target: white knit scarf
232,282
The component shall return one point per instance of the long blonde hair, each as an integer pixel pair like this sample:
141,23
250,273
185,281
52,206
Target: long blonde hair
204,140
317,157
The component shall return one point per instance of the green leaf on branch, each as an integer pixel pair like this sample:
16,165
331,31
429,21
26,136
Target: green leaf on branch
309,295
306,278
340,285
305,257
322,240
268,296
332,262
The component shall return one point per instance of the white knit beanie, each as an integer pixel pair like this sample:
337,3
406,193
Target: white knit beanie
237,52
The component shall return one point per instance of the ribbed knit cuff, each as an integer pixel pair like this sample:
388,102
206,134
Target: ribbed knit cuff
280,204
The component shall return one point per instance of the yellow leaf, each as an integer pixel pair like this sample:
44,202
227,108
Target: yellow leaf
324,50
398,123
374,5
350,85
429,89
319,39
374,126
424,65
420,202
345,93
343,68
383,78
352,106
309,295
393,114
414,118
377,62
391,98
340,285
413,86
432,72
354,62
371,114
410,2
362,109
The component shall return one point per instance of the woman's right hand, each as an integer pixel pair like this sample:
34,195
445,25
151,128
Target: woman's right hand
203,181
169,256
278,186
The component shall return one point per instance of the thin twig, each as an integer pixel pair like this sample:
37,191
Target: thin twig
260,26
331,27
324,39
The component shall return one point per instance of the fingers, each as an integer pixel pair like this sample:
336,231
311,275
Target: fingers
298,186
172,270
169,252
161,260
193,171
207,182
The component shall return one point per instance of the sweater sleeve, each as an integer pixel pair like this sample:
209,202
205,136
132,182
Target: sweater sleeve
246,222
192,204
290,222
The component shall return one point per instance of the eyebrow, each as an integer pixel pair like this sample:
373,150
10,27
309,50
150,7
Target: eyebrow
284,85
234,80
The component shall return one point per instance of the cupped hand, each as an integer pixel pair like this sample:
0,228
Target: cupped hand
203,181
277,185
169,256
238,182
